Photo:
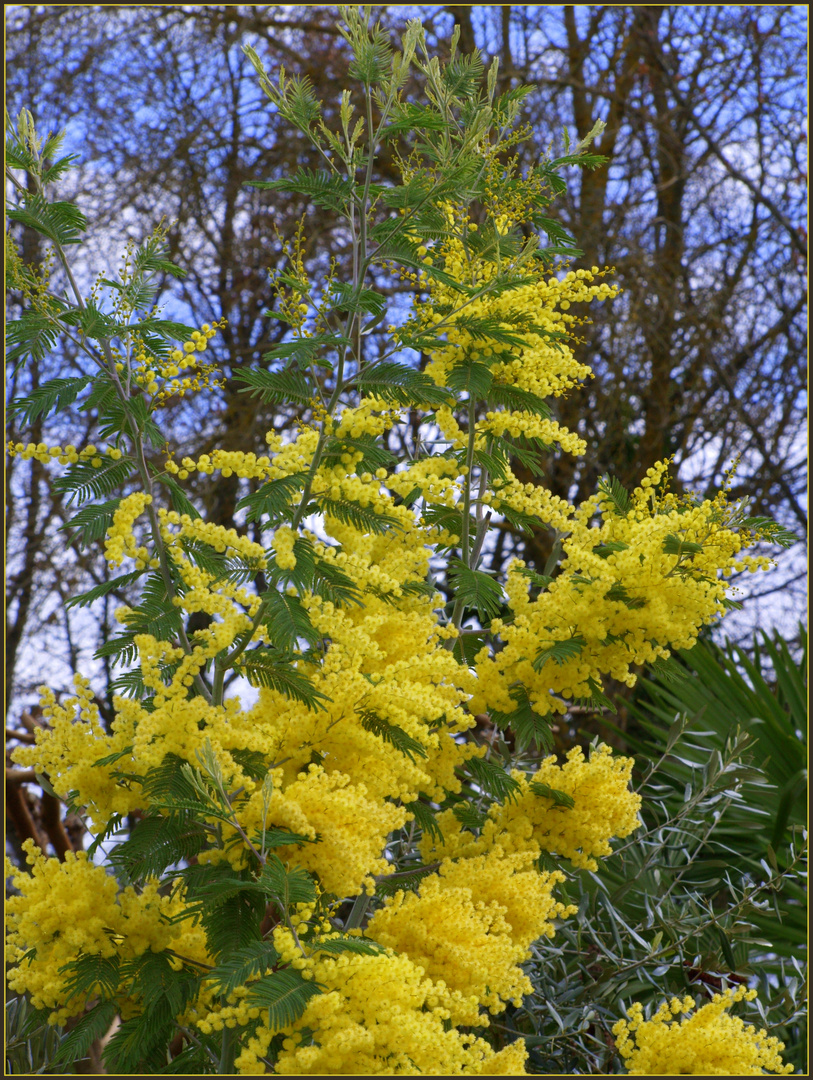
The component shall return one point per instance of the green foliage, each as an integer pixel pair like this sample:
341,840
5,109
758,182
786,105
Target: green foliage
92,1026
596,699
323,188
90,975
232,919
273,501
545,791
85,480
475,589
276,387
242,967
32,1044
673,911
269,668
493,779
104,587
61,222
765,695
392,734
155,844
616,495
53,396
285,994
400,385
33,335
406,879
560,652
286,886
425,818
674,545
529,727
287,620
374,456
770,530
359,946
352,513
92,522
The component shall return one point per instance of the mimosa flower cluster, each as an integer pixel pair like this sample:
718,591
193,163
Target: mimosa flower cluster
706,1041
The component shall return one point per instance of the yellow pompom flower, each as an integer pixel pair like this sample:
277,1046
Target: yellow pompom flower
710,1042
603,807
463,942
379,1015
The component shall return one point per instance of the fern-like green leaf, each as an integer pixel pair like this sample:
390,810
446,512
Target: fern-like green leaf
91,974
476,589
241,967
233,924
529,727
615,494
285,994
400,385
618,593
347,299
177,497
167,781
335,946
287,887
607,548
668,671
362,518
139,1045
560,652
159,986
518,400
425,817
331,583
93,1025
389,886
470,377
273,500
559,798
468,816
527,452
392,734
102,589
287,620
521,521
597,699
252,762
493,779
674,545
771,531
373,457
321,187
540,580
84,480
264,667
61,222
443,517
52,396
34,334
276,387
92,522
274,837
408,117
156,843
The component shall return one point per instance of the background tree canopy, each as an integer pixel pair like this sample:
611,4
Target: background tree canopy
701,211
